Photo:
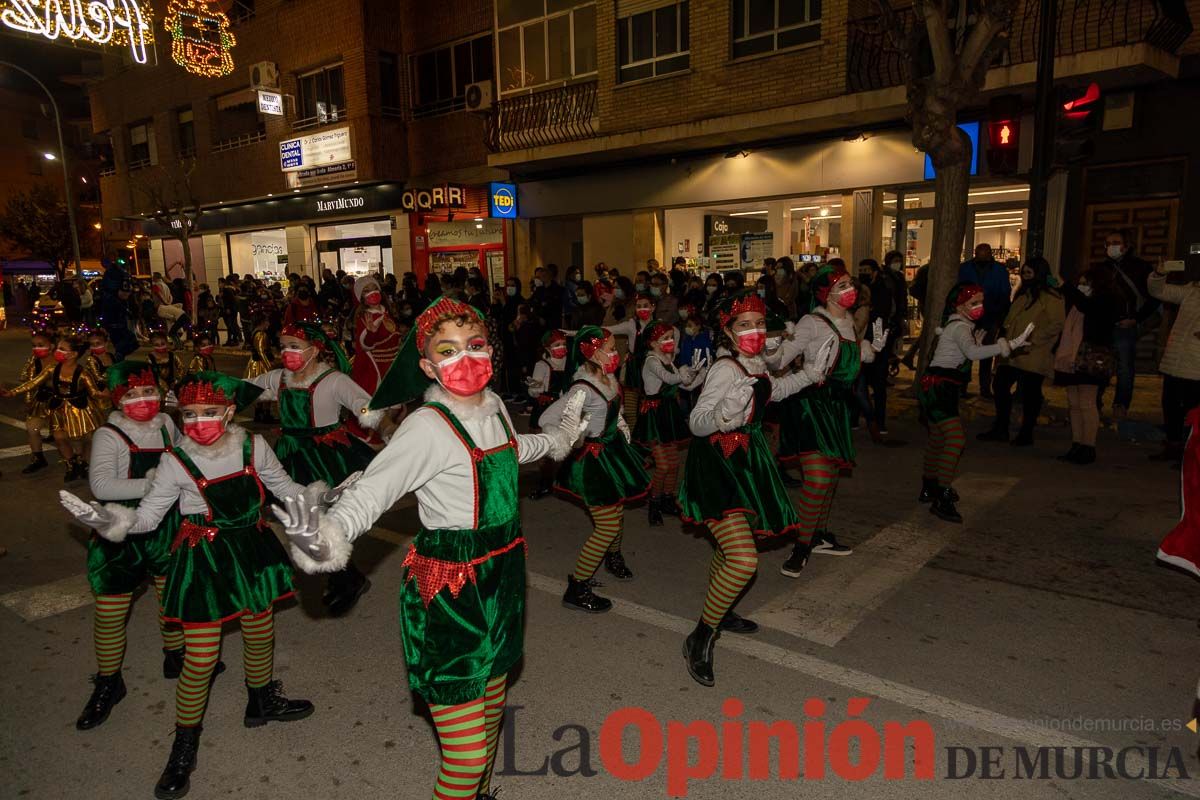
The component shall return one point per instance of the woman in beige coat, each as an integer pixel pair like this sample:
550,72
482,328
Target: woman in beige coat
1037,304
1180,363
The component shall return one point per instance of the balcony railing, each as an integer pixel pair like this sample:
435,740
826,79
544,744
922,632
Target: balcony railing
874,62
237,142
563,114
331,117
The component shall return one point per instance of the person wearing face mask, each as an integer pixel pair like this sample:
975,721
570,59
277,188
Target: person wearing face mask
985,272
1180,364
73,400
714,293
202,354
607,472
1138,307
462,599
661,423
586,310
302,307
37,399
814,424
1035,302
765,287
376,337
730,481
666,305
97,362
546,385
1084,361
957,343
627,334
225,562
641,282
125,453
166,363
570,295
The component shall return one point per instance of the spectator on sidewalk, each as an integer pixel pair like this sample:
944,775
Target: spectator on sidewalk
983,270
1137,306
1027,368
881,295
1180,364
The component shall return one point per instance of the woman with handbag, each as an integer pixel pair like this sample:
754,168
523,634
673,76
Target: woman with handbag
1085,361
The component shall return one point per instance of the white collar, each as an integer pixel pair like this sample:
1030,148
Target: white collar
291,382
605,385
135,428
664,359
227,445
752,364
464,411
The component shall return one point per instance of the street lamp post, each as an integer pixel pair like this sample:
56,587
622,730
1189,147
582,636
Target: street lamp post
62,156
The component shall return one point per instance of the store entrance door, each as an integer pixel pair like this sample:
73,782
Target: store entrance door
359,256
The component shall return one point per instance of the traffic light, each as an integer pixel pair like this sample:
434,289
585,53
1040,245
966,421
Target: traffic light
1078,120
1004,134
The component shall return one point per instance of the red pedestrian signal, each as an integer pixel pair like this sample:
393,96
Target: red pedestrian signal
1004,139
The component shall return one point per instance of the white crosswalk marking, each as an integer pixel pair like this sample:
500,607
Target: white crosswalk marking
39,602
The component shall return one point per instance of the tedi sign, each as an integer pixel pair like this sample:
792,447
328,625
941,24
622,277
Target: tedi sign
340,204
449,196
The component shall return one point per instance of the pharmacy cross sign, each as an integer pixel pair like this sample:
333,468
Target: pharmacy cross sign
99,22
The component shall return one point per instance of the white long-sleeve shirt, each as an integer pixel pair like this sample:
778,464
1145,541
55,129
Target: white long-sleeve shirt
597,394
706,418
426,456
108,468
335,392
811,333
956,343
173,483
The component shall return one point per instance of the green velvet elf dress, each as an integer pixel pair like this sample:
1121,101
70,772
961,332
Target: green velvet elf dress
735,472
226,562
309,453
939,391
455,641
661,419
817,418
606,470
122,567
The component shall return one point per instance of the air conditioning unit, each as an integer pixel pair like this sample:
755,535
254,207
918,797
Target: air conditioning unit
480,96
264,75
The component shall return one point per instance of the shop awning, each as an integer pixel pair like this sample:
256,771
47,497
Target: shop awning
238,98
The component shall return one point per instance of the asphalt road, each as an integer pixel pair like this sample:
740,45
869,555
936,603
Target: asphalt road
1041,622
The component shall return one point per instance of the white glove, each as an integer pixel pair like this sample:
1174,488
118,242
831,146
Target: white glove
330,497
149,476
686,374
979,335
623,427
879,337
698,360
532,382
302,523
1018,342
91,515
790,327
731,407
571,428
817,369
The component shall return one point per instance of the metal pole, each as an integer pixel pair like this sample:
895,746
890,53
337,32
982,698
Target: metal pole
1045,118
62,155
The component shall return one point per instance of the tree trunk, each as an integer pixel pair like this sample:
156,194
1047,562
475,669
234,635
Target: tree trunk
949,227
188,275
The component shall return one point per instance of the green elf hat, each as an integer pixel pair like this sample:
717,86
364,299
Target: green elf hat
125,375
217,389
313,333
822,282
405,381
584,344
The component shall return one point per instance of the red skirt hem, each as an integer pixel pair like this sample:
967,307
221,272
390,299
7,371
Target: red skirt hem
228,617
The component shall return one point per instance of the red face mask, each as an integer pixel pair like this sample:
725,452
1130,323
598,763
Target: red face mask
162,348
142,409
207,351
848,298
373,298
295,360
610,366
751,342
668,346
41,352
644,313
975,313
60,356
99,351
558,352
466,373
205,430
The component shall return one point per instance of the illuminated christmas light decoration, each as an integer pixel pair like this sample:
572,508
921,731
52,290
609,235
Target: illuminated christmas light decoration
200,37
99,22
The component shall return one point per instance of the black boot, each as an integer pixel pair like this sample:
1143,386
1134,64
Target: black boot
267,704
929,490
732,623
579,596
614,562
173,663
343,590
1086,455
668,505
698,654
72,472
1070,455
175,779
943,507
37,464
108,691
542,490
654,512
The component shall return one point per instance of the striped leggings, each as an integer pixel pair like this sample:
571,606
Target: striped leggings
733,565
608,525
816,495
108,628
943,450
203,649
666,469
469,734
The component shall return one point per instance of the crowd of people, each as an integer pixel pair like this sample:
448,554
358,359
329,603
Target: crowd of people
702,397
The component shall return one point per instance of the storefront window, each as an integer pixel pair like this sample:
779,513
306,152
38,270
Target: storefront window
358,247
263,254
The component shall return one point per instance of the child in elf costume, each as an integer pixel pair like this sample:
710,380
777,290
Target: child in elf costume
630,330
662,425
202,355
731,481
545,386
226,563
166,363
463,596
125,453
814,429
314,443
606,473
956,346
37,399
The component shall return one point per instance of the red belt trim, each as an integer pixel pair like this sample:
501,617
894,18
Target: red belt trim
338,436
728,442
592,449
433,574
192,533
929,381
648,405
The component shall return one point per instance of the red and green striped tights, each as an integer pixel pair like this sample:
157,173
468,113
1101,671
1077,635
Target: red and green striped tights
202,650
944,449
666,469
732,566
108,628
816,495
608,526
469,734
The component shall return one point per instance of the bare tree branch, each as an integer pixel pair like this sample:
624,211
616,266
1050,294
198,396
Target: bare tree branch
933,12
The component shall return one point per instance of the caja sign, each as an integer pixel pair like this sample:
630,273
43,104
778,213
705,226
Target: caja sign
448,196
502,201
